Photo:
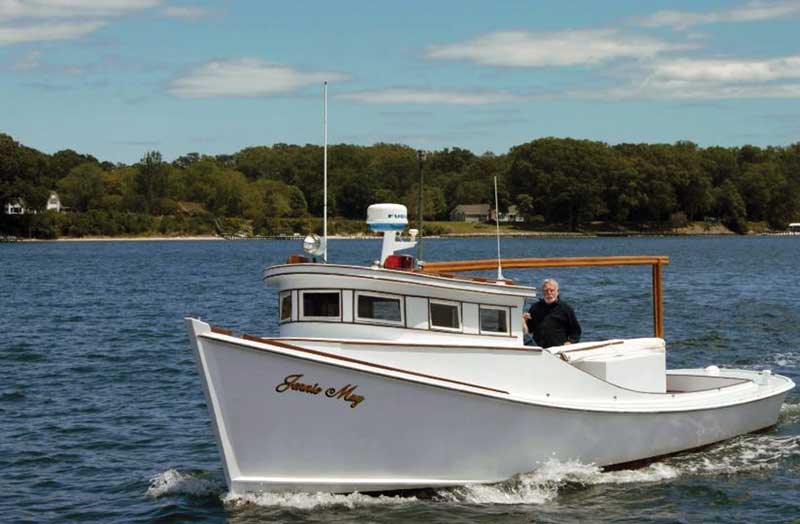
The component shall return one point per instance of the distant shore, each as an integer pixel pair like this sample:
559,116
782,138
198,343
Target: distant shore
127,239
532,234
686,231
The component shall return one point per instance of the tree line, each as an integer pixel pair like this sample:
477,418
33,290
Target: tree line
278,189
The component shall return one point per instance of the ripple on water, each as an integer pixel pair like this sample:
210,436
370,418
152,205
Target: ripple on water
12,396
746,454
173,482
786,360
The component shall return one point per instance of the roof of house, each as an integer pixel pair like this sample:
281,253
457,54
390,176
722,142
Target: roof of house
473,209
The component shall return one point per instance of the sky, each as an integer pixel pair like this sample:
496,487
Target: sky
118,78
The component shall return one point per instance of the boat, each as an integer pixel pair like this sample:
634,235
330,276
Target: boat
399,375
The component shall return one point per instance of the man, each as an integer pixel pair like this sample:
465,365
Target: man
551,321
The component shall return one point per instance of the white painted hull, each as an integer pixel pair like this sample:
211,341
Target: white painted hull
413,431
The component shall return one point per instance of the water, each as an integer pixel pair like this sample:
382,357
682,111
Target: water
102,417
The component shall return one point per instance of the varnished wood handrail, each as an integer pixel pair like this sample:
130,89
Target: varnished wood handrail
529,263
656,261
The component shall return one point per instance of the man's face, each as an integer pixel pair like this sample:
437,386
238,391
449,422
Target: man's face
549,293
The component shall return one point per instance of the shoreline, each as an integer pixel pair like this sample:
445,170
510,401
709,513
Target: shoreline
540,235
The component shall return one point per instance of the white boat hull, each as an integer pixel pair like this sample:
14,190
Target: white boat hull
375,428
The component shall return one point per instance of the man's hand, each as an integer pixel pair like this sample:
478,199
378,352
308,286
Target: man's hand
526,316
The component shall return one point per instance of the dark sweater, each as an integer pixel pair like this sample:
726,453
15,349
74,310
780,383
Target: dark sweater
553,324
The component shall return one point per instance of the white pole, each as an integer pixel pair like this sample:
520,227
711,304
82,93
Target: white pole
497,223
325,179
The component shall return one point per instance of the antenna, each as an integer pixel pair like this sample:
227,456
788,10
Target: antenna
325,177
420,159
497,224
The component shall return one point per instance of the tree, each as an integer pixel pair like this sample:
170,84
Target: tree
151,181
433,203
83,188
731,207
525,206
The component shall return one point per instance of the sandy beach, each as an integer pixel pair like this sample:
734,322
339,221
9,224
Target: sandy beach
125,239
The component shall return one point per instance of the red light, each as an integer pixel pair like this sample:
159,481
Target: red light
399,262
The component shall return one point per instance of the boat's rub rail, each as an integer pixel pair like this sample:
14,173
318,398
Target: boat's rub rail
272,342
373,343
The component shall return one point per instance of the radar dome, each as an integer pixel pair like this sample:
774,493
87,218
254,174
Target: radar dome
387,217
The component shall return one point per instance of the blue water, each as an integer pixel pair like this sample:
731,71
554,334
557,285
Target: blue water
102,417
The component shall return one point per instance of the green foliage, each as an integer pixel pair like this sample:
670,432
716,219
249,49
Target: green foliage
83,188
555,182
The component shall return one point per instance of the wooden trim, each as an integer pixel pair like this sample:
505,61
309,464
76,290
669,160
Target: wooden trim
528,263
363,362
658,302
656,261
221,331
596,346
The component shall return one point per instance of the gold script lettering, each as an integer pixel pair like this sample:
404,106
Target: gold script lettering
293,382
346,393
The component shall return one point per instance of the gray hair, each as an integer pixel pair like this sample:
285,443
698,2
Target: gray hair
552,281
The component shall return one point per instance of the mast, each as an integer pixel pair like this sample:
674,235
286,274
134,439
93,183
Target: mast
497,224
325,176
420,159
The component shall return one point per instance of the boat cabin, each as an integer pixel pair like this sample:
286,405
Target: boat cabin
336,301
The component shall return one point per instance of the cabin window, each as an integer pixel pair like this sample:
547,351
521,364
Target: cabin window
321,304
286,306
379,308
493,320
445,315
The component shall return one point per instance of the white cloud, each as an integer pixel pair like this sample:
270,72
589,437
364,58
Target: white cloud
422,96
752,12
23,21
711,79
188,13
726,71
564,48
246,77
46,31
699,91
16,9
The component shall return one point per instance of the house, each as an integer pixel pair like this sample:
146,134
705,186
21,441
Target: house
470,213
15,206
53,203
512,215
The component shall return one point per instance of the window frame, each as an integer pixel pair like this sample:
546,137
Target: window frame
505,309
281,296
302,308
459,315
378,321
